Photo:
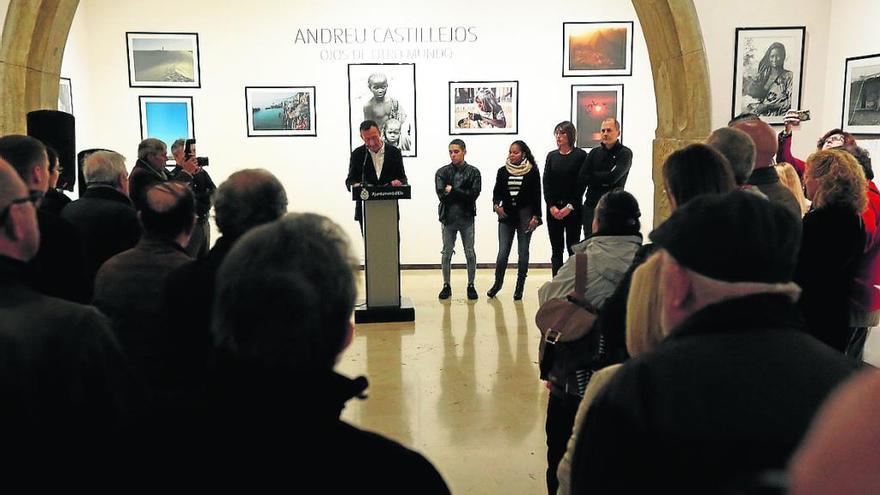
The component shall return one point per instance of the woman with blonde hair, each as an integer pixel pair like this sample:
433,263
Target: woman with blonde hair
789,178
832,244
643,332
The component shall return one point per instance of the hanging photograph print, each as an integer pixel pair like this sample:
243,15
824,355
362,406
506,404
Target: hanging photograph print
768,69
167,118
280,111
163,60
597,48
861,95
483,107
386,94
590,106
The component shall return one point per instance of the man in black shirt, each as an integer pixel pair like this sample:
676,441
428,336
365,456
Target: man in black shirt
606,168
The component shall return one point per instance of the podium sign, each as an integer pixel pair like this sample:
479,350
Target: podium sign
382,258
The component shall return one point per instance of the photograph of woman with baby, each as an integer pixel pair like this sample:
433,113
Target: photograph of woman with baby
767,72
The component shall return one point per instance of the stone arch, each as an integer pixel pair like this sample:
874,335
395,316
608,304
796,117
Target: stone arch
35,33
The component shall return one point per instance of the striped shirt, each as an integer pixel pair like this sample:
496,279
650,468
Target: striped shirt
514,184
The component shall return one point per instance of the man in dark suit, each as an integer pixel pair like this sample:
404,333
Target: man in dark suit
104,217
374,163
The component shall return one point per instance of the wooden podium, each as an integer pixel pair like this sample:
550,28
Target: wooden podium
382,255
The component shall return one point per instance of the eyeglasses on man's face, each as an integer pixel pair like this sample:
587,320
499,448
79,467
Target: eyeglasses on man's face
32,197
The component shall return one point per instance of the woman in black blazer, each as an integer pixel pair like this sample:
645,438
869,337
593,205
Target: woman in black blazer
516,200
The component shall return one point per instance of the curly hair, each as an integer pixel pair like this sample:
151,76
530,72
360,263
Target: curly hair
848,138
839,178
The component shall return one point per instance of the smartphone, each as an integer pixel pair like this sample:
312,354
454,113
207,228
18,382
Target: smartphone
189,149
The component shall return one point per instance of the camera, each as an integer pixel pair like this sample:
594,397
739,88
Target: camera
189,150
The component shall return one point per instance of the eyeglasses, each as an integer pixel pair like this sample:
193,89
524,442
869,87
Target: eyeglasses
32,197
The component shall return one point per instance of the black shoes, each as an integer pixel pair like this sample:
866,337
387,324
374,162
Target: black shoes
471,292
494,290
518,292
445,292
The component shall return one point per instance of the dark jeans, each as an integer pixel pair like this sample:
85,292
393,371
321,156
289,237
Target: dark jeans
563,234
505,242
560,421
587,219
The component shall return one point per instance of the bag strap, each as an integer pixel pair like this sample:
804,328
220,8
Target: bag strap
580,277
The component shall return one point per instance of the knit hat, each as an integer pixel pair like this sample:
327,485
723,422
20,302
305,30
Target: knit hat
735,237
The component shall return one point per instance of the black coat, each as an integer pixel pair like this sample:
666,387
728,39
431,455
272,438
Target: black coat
107,225
58,269
392,169
54,201
604,170
730,392
528,201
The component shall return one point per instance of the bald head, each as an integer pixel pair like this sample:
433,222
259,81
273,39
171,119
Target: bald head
169,211
19,234
764,139
738,148
248,198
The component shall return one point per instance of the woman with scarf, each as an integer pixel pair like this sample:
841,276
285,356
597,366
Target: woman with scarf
516,200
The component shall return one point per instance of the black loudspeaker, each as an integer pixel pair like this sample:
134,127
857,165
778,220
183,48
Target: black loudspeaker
57,129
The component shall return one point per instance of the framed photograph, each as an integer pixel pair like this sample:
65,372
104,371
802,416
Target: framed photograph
65,96
167,118
592,104
163,60
861,95
483,107
385,93
768,70
280,111
597,48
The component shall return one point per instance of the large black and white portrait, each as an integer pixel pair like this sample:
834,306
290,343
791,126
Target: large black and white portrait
861,95
385,93
768,69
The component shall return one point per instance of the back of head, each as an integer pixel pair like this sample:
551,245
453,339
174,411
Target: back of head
248,198
104,167
733,237
285,294
764,140
839,180
737,147
23,153
643,305
788,176
169,210
695,170
862,156
617,213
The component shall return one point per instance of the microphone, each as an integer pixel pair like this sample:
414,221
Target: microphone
364,166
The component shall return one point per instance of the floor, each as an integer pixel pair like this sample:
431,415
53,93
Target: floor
460,385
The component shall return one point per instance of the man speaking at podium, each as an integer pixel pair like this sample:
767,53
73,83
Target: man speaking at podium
374,163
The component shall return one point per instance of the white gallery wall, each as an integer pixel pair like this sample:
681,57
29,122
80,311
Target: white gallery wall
253,44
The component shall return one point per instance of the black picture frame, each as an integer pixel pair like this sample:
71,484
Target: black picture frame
597,56
294,100
861,115
590,105
400,96
467,118
151,64
753,91
170,123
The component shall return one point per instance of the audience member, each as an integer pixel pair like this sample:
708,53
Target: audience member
732,389
57,269
833,244
54,200
62,376
285,296
104,217
130,288
203,187
789,178
834,138
739,149
150,170
563,192
610,249
764,176
840,455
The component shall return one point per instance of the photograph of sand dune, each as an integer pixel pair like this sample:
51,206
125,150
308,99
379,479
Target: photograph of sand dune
163,60
597,48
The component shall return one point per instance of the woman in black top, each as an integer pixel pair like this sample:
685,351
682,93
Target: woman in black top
562,193
516,199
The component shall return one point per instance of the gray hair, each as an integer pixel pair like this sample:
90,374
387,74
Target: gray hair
248,198
104,166
739,149
177,144
150,146
285,294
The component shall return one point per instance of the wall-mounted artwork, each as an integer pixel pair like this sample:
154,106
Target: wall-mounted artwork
163,60
592,104
385,93
65,96
597,48
767,73
861,95
483,107
167,118
280,111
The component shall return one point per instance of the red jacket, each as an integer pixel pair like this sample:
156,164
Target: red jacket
866,295
783,154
